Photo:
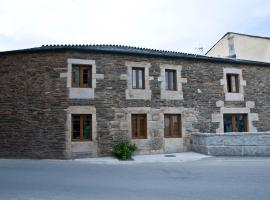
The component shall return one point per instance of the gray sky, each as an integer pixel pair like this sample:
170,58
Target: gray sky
161,24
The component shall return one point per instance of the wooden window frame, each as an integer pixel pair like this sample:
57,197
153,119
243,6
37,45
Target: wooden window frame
82,67
234,128
229,84
81,128
135,133
171,132
137,81
170,86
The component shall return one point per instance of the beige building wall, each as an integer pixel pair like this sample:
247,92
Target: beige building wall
220,49
244,46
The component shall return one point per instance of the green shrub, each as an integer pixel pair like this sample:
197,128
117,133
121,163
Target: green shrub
124,150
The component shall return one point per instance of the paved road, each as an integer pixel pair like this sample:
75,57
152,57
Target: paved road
207,179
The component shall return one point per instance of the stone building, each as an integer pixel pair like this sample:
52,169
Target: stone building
242,46
67,101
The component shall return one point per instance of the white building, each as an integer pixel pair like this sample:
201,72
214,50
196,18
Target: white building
242,46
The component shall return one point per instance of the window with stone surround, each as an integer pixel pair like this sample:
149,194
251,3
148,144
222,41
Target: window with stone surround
233,84
79,130
81,127
171,81
224,110
172,126
139,126
81,76
235,122
138,78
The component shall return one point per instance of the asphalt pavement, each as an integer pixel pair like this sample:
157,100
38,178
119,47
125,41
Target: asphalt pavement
214,178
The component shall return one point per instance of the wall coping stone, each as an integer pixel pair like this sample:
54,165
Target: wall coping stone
231,134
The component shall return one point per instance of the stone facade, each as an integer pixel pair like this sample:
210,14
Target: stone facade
36,102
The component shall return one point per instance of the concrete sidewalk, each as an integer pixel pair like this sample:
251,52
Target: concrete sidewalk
139,159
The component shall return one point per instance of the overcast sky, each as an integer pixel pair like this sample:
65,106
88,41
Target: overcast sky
161,24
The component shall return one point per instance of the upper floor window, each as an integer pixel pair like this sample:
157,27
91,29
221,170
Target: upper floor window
139,126
138,78
235,122
233,83
81,127
170,80
82,76
172,126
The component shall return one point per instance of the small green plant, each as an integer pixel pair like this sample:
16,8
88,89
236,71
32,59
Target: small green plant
124,150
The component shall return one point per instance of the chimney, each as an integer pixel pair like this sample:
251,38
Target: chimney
230,38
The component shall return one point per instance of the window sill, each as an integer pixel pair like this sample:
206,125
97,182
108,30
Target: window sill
81,87
78,141
81,93
143,138
83,147
138,89
138,94
171,94
234,97
172,90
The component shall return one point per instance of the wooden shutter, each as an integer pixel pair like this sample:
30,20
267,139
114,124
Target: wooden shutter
139,126
172,126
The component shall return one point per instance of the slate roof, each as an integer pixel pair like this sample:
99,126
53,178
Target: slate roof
136,51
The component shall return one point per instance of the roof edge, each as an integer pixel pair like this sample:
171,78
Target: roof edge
263,37
117,49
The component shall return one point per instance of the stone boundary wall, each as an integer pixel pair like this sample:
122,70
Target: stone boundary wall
232,144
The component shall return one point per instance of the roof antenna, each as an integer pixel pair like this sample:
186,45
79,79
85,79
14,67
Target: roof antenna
200,50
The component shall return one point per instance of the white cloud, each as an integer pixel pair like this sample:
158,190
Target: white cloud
162,24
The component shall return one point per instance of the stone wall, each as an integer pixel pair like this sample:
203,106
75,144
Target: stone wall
232,144
35,102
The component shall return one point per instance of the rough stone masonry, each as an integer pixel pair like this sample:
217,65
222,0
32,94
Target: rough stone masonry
37,99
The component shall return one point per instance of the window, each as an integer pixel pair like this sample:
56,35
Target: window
81,76
138,81
139,126
81,127
172,126
235,123
233,83
170,79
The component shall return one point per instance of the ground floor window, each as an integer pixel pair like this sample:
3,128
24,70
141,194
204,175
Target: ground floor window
81,127
139,126
235,122
172,126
